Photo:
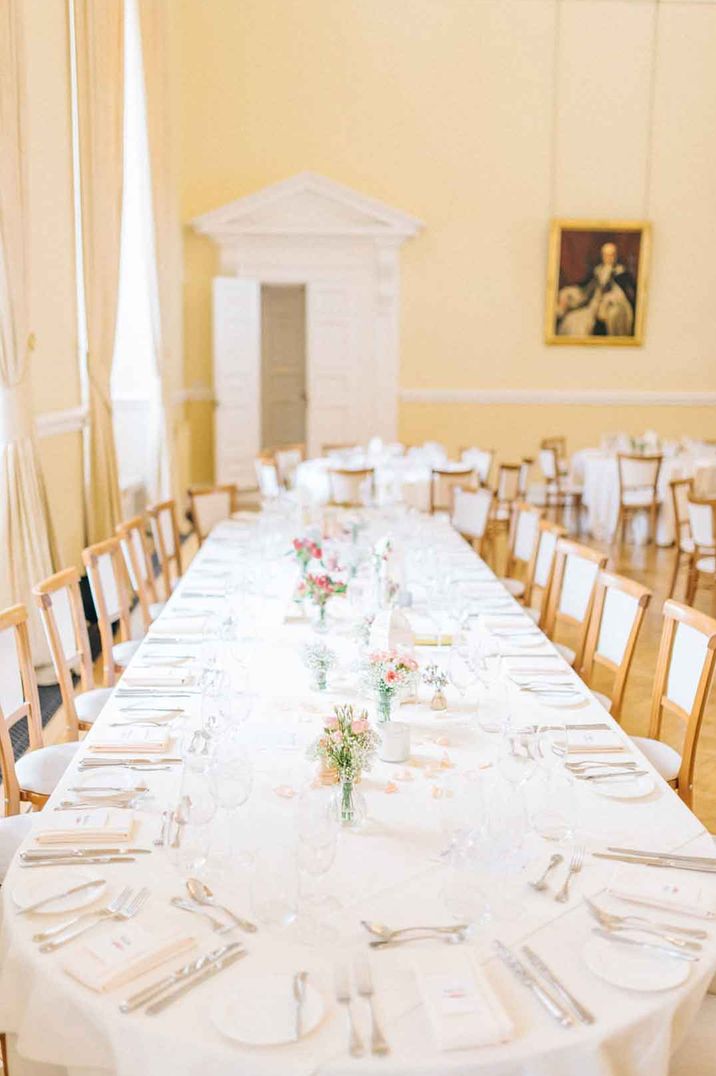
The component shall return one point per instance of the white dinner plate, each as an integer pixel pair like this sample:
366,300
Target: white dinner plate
563,702
93,779
28,889
621,788
522,640
634,969
262,1011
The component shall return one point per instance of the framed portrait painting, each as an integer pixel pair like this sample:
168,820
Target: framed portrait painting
597,282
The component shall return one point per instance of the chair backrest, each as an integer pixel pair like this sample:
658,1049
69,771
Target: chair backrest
524,534
618,613
444,481
267,476
167,541
508,482
684,673
346,446
18,697
108,581
549,465
557,443
59,600
471,513
352,487
638,473
211,505
702,520
132,534
523,476
571,596
541,568
680,490
481,460
287,459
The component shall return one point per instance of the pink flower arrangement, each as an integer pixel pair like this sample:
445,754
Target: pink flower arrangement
347,744
388,671
319,588
305,550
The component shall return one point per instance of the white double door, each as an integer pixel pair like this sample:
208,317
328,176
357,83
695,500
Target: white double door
339,388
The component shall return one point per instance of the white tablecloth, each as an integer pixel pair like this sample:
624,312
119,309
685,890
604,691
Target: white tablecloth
596,471
387,872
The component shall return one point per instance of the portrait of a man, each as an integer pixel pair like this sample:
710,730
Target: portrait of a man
596,285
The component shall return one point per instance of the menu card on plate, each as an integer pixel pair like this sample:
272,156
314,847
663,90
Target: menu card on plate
104,962
141,741
106,824
463,1009
178,625
595,742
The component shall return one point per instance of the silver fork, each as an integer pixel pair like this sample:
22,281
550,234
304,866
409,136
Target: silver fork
575,866
98,913
364,988
644,926
127,911
343,997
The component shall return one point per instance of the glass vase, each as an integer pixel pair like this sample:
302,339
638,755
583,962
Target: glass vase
320,624
349,804
385,697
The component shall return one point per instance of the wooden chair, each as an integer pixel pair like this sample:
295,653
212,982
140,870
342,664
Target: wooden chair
109,585
684,673
267,476
480,459
137,555
540,571
59,600
346,446
618,613
34,776
167,542
350,487
523,477
506,492
681,488
524,536
471,511
638,479
211,505
287,459
702,565
560,495
444,481
571,595
559,445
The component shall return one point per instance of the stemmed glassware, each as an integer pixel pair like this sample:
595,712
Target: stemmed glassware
231,776
317,838
554,809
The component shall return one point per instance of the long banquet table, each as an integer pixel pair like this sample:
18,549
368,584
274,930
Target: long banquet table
388,871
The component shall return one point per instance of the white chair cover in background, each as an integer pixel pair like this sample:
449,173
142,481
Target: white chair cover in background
27,545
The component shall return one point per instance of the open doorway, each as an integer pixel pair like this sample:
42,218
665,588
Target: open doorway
283,364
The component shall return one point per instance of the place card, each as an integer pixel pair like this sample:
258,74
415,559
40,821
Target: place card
463,1009
142,741
595,742
105,824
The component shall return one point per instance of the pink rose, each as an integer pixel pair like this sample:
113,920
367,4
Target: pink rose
391,676
359,726
332,723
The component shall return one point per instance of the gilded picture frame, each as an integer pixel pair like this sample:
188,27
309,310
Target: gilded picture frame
597,276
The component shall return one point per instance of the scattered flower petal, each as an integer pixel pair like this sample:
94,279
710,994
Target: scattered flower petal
285,791
390,788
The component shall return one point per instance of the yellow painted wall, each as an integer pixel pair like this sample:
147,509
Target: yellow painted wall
461,112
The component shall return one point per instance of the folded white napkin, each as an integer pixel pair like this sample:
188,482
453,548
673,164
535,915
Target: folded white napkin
106,824
178,625
104,962
595,742
143,741
463,1009
511,625
159,677
526,666
686,896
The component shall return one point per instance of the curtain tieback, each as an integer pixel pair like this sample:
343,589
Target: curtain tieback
16,418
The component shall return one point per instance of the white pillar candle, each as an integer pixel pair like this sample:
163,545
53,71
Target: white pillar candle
394,741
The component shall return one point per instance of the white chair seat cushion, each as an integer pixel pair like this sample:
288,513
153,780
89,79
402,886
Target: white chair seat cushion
514,586
706,564
637,498
89,704
13,831
686,544
695,1056
663,758
39,771
604,699
566,652
533,614
156,608
124,652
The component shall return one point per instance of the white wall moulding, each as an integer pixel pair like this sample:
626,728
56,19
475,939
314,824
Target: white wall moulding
568,397
344,247
54,423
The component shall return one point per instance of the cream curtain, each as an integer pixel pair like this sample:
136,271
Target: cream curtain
154,29
27,547
99,42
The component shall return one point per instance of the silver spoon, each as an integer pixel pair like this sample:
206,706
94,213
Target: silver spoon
541,882
216,924
455,938
201,893
386,933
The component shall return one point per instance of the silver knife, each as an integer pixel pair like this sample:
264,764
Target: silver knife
583,1014
66,853
149,993
666,950
184,988
72,862
664,855
553,1007
645,862
60,896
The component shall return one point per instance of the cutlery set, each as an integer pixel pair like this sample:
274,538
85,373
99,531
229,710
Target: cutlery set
157,997
680,942
561,1005
385,937
702,864
125,906
574,867
364,988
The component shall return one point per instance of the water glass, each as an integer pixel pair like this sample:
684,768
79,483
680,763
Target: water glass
274,887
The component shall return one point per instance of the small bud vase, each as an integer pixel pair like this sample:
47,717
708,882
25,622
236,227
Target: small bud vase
349,805
438,701
384,700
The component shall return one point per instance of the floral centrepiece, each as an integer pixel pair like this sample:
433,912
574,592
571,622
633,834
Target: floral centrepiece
304,550
320,588
319,659
436,678
348,744
389,671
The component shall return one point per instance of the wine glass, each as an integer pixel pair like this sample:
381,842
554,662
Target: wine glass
554,808
231,776
274,886
460,670
317,831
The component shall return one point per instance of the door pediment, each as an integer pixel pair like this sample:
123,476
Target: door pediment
306,205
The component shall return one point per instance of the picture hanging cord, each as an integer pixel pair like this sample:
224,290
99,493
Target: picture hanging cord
554,133
651,109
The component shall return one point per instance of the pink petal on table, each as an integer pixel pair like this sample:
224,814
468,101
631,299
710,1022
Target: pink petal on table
285,791
436,792
441,741
446,762
390,788
404,775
